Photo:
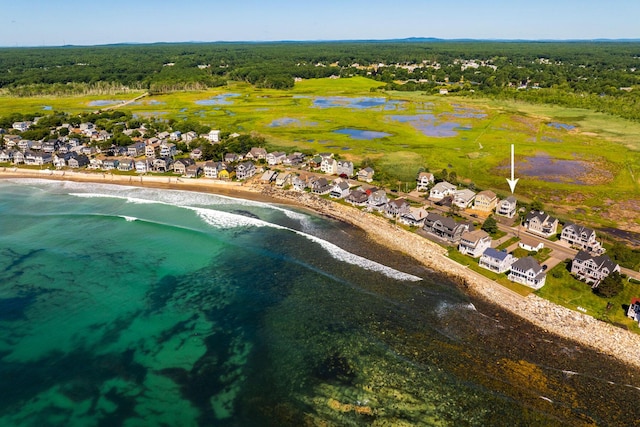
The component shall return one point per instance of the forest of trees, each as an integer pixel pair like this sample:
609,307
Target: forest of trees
603,75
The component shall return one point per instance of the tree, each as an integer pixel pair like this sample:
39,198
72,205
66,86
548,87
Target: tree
490,225
610,286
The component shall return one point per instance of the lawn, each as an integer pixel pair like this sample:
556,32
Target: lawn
569,292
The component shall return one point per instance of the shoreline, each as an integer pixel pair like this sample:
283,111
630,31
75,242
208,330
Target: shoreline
554,319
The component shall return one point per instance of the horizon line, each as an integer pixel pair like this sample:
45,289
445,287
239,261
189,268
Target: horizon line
404,39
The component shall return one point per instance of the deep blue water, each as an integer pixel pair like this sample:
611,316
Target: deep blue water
136,306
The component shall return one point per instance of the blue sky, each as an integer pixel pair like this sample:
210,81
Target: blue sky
54,23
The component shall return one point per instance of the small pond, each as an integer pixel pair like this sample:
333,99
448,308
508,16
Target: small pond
359,103
222,99
361,134
104,102
561,126
545,168
285,121
47,108
427,124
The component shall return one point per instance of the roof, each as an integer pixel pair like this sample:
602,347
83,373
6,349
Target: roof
510,199
487,193
526,264
450,223
475,235
496,254
602,261
579,229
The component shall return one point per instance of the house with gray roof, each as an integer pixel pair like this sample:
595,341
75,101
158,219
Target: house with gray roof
541,223
581,238
441,190
444,227
474,243
592,269
339,190
496,261
527,271
378,200
357,198
396,207
507,207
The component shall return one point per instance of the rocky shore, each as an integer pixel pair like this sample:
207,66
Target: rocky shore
583,329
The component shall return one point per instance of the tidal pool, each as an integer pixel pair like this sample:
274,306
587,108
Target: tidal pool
285,121
356,103
561,126
427,124
545,168
103,102
362,134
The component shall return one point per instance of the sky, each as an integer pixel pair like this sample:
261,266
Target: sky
87,22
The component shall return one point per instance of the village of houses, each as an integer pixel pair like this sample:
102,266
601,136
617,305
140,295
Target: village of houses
322,175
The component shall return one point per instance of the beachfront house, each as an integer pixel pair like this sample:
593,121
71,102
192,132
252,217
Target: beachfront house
377,200
193,171
424,181
211,169
474,243
276,158
357,198
444,227
496,261
507,207
329,165
95,164
414,218
581,238
634,310
110,164
142,166
396,207
168,149
592,269
527,271
245,170
441,190
340,189
365,175
18,157
231,158
6,156
78,161
284,179
541,223
299,183
126,165
485,201
321,186
269,176
162,164
180,166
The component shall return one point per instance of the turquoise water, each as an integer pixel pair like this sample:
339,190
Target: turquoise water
142,307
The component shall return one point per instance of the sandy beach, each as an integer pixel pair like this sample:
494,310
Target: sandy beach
563,322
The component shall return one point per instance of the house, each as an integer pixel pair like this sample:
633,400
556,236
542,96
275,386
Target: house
126,165
6,156
196,154
50,146
211,169
299,183
227,173
283,179
110,164
189,136
414,218
78,161
527,271
142,166
345,167
231,158
541,223
396,207
162,164
424,181
463,198
136,149
529,244
293,159
582,238
269,176
486,201
163,135
25,144
168,149
193,171
441,190
496,261
444,227
377,200
213,136
175,135
339,190
21,126
592,268
321,186
329,165
474,243
39,159
315,162
256,153
365,175
180,166
634,310
357,198
245,170
275,158
95,163
18,157
507,207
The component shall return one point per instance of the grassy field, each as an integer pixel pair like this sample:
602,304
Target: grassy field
584,166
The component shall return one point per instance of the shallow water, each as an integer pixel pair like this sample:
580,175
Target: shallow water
136,306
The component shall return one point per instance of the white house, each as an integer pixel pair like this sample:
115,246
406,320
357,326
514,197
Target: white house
507,207
463,198
474,243
496,261
213,136
424,181
527,271
442,190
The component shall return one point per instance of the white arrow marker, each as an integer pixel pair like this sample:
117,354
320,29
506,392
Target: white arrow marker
513,181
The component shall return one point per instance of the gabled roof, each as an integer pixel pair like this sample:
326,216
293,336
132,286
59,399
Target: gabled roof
496,254
579,229
526,264
602,261
475,235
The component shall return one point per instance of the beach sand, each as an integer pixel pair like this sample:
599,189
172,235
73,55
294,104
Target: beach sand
579,327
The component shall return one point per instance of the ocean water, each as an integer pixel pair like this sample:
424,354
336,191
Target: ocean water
125,306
